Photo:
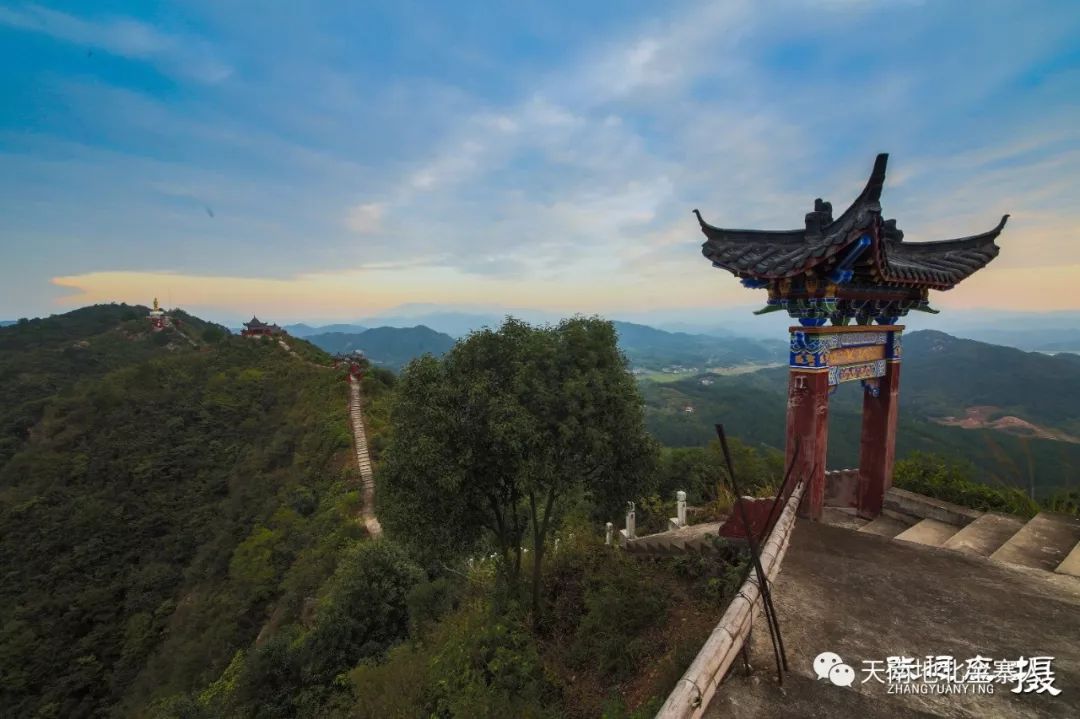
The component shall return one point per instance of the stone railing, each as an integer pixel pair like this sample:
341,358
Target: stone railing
695,689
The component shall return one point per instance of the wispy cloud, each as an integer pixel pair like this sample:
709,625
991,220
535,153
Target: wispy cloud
365,218
183,55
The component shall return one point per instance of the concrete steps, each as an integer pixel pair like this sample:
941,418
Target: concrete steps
697,538
363,460
985,535
1045,542
885,526
910,504
1071,564
845,517
1049,541
930,532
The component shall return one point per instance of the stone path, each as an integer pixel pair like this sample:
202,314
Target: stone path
363,460
867,597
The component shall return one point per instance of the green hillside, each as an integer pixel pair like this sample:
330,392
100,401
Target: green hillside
943,375
173,500
41,357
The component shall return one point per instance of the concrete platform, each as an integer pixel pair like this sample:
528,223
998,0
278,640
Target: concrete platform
985,535
866,598
843,517
1042,543
930,532
800,698
885,526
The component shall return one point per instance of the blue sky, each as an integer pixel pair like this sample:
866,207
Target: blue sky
329,161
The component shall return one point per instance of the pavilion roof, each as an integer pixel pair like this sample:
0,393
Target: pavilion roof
764,254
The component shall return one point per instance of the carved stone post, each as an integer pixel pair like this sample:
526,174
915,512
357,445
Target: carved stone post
680,507
609,529
630,521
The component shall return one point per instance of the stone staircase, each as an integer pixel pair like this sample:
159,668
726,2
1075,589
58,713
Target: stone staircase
695,538
363,460
1048,541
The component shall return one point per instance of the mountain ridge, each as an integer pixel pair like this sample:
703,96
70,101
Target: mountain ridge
390,346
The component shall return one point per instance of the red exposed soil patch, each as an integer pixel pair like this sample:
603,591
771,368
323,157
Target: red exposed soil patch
982,417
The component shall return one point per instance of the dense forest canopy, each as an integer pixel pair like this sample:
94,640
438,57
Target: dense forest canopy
170,497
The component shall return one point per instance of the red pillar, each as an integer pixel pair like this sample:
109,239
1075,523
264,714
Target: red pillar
877,449
808,420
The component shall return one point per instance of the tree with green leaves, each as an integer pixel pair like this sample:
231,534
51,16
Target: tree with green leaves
493,442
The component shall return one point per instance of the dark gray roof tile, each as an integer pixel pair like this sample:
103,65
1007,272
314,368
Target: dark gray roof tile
778,254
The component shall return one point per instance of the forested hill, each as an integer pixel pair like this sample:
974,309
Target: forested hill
41,357
945,375
163,496
649,348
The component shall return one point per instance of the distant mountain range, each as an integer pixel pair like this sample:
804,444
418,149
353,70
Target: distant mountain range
1012,413
390,346
302,330
5,323
653,349
647,348
1032,331
455,324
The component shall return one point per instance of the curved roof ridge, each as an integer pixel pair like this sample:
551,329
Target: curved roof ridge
937,245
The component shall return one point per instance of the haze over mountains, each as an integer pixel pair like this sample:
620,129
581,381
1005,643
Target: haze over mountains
646,347
1033,331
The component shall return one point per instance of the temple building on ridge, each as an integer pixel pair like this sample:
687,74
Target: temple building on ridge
255,328
158,319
